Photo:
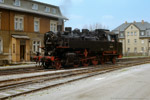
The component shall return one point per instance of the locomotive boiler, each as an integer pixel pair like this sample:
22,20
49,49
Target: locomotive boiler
75,48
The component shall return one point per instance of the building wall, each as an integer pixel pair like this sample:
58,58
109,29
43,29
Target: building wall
8,21
7,29
133,40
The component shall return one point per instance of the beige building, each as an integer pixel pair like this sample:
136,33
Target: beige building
22,27
135,38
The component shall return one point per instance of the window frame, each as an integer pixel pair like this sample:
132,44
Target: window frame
1,1
142,33
35,6
142,41
135,49
53,25
128,49
38,25
121,35
47,9
128,33
135,34
135,40
54,11
17,3
19,25
35,46
142,49
128,40
132,33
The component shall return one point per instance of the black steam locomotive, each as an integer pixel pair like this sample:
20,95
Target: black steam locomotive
75,48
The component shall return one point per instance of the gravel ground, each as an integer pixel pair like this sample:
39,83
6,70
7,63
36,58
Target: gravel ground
125,84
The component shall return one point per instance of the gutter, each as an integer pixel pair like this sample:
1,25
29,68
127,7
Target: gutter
32,11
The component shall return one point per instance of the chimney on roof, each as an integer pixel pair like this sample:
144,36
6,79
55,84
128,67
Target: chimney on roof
126,22
134,22
142,21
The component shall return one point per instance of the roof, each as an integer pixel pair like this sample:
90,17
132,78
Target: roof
20,36
43,3
9,7
140,25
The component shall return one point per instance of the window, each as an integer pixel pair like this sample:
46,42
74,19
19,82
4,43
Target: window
36,46
35,6
128,33
53,26
135,41
142,49
142,33
36,24
121,34
19,21
142,41
1,45
131,33
128,40
54,11
135,33
128,49
47,9
1,1
17,3
148,33
121,41
135,49
131,27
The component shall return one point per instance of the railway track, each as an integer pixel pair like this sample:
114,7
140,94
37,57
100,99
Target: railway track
19,86
39,69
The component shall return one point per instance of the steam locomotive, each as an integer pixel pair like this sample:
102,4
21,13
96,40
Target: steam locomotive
75,48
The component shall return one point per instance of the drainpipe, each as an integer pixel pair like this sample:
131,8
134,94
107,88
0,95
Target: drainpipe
148,48
10,53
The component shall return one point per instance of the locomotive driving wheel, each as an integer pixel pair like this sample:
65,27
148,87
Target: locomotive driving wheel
85,63
57,65
114,60
76,63
95,62
102,61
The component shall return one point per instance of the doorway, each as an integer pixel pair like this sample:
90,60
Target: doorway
22,50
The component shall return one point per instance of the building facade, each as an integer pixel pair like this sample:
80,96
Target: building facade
22,27
135,38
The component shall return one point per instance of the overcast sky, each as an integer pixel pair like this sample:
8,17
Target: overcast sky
109,13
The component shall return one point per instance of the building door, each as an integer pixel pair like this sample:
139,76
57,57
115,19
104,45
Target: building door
22,49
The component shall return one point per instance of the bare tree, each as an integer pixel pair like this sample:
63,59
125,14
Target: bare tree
94,26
